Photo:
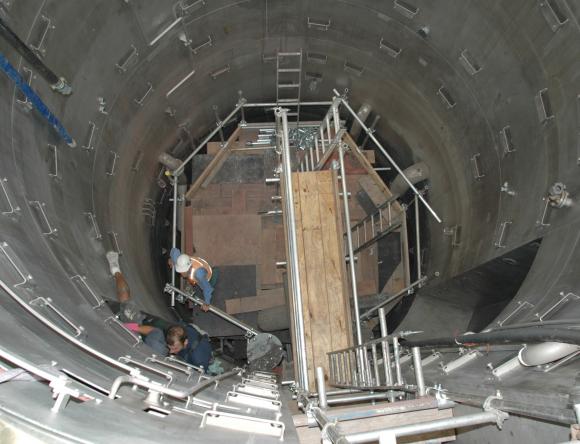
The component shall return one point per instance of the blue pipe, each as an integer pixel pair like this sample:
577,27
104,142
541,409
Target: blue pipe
35,100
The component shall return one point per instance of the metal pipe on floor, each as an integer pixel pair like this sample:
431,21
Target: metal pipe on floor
389,158
294,270
419,379
321,388
57,83
349,244
414,405
490,417
356,398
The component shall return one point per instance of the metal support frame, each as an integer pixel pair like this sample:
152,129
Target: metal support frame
387,155
293,269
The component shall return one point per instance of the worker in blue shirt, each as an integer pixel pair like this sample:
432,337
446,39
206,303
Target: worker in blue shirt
189,344
196,270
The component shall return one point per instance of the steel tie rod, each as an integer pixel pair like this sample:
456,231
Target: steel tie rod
386,154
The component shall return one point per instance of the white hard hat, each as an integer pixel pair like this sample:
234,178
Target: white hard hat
183,263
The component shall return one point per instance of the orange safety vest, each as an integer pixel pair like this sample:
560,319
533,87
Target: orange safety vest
197,263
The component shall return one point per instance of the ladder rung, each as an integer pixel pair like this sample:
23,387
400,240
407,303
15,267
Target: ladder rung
296,101
289,54
289,85
291,114
289,70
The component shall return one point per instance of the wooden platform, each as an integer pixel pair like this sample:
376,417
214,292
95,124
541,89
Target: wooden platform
325,298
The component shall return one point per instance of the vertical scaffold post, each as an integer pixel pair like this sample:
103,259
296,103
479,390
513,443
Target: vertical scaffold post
417,239
321,388
294,270
351,263
386,352
174,236
418,371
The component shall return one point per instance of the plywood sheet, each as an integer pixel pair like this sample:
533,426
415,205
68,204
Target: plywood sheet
327,324
266,299
230,239
272,251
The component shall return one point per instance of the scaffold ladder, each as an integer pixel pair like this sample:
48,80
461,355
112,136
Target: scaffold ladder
289,82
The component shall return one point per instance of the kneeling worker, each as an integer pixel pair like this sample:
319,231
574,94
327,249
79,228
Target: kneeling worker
196,270
189,344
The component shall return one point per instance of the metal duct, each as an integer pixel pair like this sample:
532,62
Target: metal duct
169,162
545,353
415,173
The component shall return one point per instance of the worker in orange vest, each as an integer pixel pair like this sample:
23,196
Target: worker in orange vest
196,270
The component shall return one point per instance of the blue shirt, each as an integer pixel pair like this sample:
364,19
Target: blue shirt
198,349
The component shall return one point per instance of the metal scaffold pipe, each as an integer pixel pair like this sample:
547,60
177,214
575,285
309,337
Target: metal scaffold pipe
389,158
218,128
417,364
174,236
349,244
293,269
250,331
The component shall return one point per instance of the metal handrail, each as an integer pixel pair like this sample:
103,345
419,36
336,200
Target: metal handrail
174,393
250,331
97,354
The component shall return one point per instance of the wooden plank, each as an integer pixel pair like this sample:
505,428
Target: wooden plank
315,279
214,166
335,268
267,299
187,245
297,179
271,251
229,239
355,151
370,155
367,275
